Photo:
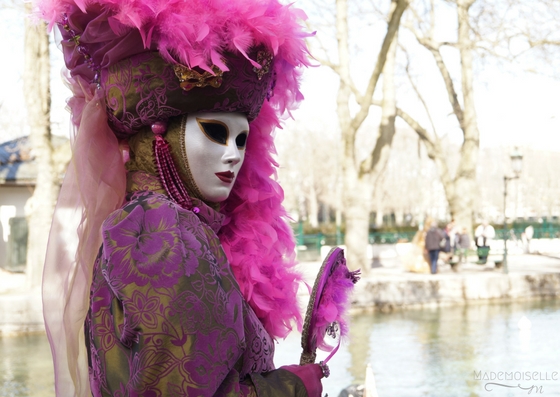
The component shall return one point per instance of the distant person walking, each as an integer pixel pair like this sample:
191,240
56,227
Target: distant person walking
463,244
483,234
434,241
450,235
528,233
453,232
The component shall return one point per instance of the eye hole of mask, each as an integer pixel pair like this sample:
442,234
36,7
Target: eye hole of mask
216,131
241,140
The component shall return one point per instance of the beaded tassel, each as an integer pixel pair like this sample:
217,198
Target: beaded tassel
168,174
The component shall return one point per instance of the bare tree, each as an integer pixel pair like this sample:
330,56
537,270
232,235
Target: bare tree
358,174
536,194
534,40
40,207
12,112
308,167
410,186
460,189
504,30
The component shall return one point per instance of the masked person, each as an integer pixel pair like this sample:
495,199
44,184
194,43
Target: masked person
182,276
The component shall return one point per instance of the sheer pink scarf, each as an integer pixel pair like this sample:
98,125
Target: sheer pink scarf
93,187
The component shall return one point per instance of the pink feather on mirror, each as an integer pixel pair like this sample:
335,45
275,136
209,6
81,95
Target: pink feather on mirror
328,306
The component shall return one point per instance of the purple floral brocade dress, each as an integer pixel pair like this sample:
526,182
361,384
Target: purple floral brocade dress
166,315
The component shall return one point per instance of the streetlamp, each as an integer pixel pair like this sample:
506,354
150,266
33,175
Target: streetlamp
516,165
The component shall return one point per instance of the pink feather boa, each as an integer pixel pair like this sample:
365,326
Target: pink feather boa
257,239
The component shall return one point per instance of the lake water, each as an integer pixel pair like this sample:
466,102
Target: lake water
447,352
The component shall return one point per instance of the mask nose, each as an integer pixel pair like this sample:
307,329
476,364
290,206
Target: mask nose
232,154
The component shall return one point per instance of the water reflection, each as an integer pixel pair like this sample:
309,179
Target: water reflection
436,352
416,353
26,367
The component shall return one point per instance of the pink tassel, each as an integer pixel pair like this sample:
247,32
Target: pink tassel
168,174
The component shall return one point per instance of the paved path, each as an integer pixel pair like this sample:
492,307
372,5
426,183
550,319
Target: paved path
517,264
393,269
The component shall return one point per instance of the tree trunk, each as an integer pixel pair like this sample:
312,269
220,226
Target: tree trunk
379,208
462,201
40,207
371,168
377,161
461,190
358,180
357,204
356,243
399,217
312,207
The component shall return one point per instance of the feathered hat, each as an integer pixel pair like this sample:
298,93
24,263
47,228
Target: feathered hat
135,62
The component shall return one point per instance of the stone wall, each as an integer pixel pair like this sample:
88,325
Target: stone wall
387,294
21,313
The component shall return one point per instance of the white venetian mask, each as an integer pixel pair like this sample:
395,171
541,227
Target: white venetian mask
215,149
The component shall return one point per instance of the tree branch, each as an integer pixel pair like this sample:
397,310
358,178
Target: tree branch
326,61
374,164
451,93
433,148
544,42
416,90
434,46
392,28
336,68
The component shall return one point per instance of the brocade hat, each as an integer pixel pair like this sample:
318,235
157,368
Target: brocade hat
143,89
158,59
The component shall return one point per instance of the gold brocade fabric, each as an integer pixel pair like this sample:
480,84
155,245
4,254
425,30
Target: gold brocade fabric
142,157
166,315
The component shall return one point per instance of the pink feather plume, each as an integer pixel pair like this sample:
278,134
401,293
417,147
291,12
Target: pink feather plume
328,307
190,32
333,305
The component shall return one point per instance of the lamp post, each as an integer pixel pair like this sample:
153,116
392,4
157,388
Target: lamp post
516,165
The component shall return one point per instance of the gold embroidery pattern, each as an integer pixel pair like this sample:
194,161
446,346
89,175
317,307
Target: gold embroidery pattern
264,58
190,79
192,188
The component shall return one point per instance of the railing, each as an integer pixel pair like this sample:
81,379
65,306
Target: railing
547,231
312,243
390,237
316,241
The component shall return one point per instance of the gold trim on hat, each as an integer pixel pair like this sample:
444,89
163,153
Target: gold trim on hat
189,78
264,58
